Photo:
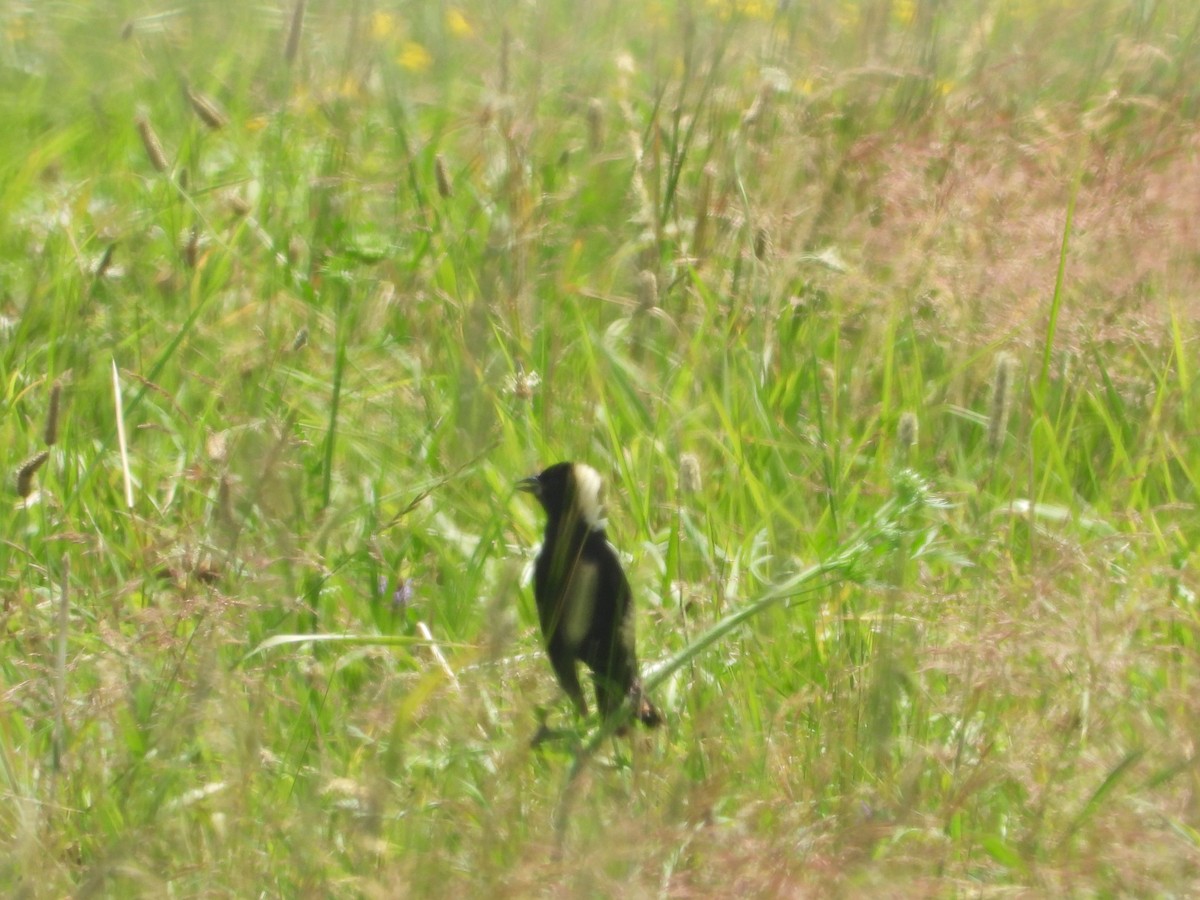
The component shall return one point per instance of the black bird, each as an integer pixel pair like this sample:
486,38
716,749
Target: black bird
583,598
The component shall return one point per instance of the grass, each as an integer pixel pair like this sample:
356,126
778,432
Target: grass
876,317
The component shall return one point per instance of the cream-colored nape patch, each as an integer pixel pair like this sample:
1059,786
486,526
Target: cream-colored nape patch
588,484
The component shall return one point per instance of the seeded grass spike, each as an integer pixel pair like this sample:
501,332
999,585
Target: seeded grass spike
50,435
445,188
27,471
647,291
206,109
152,145
906,435
690,481
295,28
595,122
1001,406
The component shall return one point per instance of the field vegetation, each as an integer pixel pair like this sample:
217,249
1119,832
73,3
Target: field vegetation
879,319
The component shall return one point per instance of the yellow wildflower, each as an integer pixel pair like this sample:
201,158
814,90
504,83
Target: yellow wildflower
458,24
414,57
383,25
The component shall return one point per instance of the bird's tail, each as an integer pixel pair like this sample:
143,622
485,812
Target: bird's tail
643,710
610,696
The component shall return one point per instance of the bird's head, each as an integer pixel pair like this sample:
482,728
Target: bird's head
568,488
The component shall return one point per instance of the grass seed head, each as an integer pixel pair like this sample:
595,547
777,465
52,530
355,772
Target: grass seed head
29,469
191,247
225,510
708,178
105,260
295,29
647,291
595,120
524,384
239,205
51,433
207,110
445,189
762,244
151,143
906,432
1002,379
690,481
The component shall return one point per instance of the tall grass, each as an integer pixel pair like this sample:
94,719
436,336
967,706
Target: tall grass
875,316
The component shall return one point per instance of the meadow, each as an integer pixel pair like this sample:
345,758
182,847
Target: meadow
878,319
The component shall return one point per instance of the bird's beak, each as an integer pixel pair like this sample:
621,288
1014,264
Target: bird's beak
530,485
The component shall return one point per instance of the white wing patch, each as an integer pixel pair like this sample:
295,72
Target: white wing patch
587,492
579,601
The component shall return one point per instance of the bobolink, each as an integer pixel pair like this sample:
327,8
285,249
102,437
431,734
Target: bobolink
584,603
